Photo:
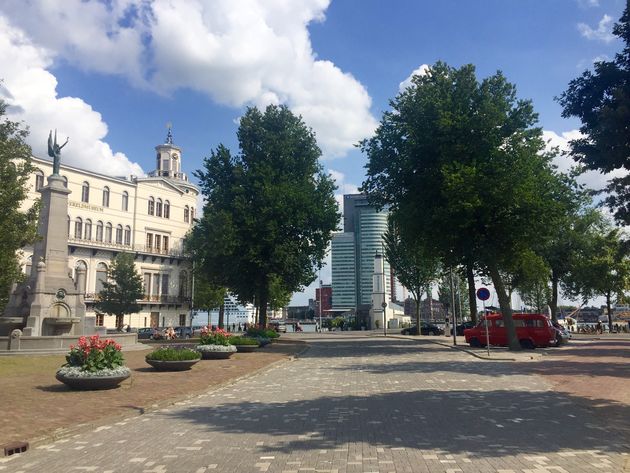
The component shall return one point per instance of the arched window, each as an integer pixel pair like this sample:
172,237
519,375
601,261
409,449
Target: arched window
101,276
81,265
119,234
186,214
39,180
125,201
127,235
105,196
167,209
151,208
108,233
192,214
29,265
78,228
183,284
85,192
158,208
99,231
88,229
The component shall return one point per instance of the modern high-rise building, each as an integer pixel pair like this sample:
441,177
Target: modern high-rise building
353,252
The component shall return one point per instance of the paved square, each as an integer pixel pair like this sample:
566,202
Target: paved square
360,404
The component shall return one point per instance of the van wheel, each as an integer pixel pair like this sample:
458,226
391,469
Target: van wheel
475,343
527,344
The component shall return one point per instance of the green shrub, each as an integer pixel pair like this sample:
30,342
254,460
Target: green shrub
173,354
269,333
243,341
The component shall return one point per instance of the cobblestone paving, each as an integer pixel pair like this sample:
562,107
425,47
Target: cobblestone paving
359,405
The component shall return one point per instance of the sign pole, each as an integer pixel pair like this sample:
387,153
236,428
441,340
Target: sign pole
484,294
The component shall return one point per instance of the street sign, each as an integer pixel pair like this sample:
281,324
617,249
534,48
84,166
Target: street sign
483,294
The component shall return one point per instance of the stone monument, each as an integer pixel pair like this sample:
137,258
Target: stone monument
50,301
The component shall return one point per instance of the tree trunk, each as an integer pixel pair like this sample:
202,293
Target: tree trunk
472,294
553,304
609,309
262,313
430,297
416,296
506,308
120,322
221,315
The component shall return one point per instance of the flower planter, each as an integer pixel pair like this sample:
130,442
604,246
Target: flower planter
162,365
216,352
92,381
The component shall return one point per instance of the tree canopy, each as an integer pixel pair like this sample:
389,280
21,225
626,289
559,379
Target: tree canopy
270,210
19,226
601,100
122,290
464,163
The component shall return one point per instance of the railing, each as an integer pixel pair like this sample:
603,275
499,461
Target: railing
146,298
99,244
174,175
158,251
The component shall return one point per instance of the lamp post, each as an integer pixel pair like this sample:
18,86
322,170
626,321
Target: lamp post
454,325
320,301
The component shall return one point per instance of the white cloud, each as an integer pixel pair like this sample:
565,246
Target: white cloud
251,52
603,31
592,179
588,3
30,91
420,71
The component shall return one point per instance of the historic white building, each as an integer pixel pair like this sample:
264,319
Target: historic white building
147,216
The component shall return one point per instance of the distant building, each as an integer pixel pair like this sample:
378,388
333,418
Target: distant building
429,312
353,252
323,298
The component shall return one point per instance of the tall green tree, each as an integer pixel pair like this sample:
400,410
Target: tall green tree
122,289
464,161
602,268
414,266
601,100
459,291
270,210
209,296
19,225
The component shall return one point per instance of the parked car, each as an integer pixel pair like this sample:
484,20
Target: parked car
425,329
184,332
459,330
562,334
145,333
532,330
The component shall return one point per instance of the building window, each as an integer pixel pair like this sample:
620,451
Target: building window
78,228
99,231
156,284
39,180
105,196
165,244
149,241
108,233
158,208
100,320
157,161
101,276
167,209
127,235
192,214
88,229
29,265
164,284
182,320
151,208
183,284
119,234
158,243
186,214
125,201
85,192
147,286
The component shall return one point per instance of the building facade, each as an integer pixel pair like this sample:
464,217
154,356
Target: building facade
352,255
146,216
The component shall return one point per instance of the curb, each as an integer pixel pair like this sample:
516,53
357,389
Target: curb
65,432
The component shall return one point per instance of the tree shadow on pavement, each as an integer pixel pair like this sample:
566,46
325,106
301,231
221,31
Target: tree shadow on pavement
478,424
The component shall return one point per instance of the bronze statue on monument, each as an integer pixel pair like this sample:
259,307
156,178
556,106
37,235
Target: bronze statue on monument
54,151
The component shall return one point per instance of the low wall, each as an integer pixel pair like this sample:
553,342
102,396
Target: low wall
15,345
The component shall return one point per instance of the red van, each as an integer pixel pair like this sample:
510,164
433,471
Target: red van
533,330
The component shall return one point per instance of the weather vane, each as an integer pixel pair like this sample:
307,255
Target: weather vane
169,135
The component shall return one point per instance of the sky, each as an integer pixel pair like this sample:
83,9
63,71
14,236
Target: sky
112,74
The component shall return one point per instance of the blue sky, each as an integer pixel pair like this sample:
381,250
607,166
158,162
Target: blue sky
112,74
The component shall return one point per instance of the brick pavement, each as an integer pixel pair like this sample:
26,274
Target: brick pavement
39,407
355,404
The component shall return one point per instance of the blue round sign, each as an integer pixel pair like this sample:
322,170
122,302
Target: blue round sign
483,294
